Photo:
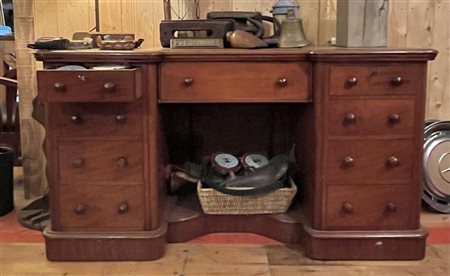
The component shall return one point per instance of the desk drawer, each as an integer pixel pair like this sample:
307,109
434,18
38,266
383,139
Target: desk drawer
89,85
100,161
235,82
353,161
88,208
97,119
368,207
353,80
371,117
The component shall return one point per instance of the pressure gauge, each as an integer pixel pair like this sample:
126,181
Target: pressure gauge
225,163
255,160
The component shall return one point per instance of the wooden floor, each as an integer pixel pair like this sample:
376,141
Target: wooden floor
209,259
212,256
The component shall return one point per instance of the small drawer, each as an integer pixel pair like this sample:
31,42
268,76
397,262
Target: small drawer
89,85
97,119
235,82
369,208
371,117
100,161
353,80
90,208
353,161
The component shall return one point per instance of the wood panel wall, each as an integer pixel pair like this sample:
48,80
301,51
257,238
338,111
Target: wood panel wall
412,23
32,133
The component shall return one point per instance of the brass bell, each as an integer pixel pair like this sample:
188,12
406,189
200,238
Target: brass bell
292,34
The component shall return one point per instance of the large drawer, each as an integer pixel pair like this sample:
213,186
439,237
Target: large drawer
97,119
371,117
362,207
89,85
235,82
88,208
352,80
100,161
353,161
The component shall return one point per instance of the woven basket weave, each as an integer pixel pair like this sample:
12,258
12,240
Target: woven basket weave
216,203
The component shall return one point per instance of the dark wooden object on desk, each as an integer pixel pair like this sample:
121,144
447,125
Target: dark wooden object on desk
354,116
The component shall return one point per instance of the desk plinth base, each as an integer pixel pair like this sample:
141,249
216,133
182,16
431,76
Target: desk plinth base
186,221
124,246
365,245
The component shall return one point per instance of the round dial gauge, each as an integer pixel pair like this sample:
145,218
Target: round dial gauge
226,160
256,160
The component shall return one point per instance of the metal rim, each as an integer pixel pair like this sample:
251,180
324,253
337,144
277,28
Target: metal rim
436,182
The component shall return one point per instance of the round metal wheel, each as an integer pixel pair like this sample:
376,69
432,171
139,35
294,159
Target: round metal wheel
436,165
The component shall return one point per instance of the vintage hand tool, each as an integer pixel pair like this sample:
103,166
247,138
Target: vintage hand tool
200,33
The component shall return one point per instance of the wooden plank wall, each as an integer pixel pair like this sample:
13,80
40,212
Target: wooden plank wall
32,133
412,23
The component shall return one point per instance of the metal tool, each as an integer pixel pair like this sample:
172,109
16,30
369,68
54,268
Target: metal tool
212,30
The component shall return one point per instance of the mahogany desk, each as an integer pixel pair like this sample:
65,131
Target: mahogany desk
354,116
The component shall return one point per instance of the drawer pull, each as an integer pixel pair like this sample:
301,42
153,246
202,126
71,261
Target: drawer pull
60,87
347,208
80,209
353,81
122,162
121,118
350,118
394,119
76,119
393,161
348,162
109,86
78,163
188,81
282,82
82,77
390,207
397,81
123,208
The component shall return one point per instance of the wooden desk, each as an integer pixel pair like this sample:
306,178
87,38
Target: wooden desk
354,116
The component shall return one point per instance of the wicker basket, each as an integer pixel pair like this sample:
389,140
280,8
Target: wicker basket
217,203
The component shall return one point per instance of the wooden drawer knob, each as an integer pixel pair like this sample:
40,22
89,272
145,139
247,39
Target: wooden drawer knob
60,87
109,87
350,118
394,119
188,81
77,120
121,118
122,162
353,81
390,207
396,81
80,209
393,161
347,208
123,208
78,163
348,162
282,82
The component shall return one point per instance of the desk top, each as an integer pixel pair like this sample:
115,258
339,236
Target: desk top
271,54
